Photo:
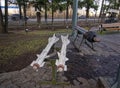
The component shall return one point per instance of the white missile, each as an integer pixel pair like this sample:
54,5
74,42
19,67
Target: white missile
39,62
61,66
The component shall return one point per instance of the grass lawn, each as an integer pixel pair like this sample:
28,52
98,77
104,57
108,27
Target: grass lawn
15,44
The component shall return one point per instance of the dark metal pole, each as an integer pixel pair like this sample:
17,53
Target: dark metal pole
74,16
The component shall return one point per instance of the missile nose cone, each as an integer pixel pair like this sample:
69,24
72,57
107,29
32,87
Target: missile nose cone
60,68
36,66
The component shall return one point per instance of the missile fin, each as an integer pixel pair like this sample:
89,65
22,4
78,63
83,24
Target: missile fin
57,62
38,55
59,55
32,63
42,64
66,59
65,68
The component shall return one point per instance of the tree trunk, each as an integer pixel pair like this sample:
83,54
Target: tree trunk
67,14
6,17
45,12
52,13
101,8
119,10
1,21
20,11
115,2
24,10
108,6
87,12
38,14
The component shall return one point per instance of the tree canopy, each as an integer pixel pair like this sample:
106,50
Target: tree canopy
87,4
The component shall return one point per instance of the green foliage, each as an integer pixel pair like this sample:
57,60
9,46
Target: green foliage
87,4
113,4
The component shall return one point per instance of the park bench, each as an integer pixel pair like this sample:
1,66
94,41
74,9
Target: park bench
110,26
89,36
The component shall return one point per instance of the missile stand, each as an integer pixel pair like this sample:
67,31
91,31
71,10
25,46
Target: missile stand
53,81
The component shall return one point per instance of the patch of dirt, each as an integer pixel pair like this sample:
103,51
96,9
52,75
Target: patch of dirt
19,62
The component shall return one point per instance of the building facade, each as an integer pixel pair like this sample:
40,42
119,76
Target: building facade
12,8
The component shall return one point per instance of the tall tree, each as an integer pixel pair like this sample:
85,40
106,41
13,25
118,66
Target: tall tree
69,2
6,17
111,4
101,10
46,2
20,7
55,4
87,4
38,4
24,11
1,22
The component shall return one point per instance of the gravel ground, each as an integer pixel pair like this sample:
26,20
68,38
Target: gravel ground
83,67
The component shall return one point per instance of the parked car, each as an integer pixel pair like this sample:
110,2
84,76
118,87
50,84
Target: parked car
82,17
111,20
16,17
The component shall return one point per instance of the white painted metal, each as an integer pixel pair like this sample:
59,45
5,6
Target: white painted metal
39,62
62,55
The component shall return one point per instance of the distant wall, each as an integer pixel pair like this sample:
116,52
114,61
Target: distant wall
12,8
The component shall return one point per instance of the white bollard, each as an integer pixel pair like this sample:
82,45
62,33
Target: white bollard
39,62
61,66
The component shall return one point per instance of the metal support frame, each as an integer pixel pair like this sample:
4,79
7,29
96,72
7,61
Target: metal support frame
89,44
53,81
89,37
55,63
